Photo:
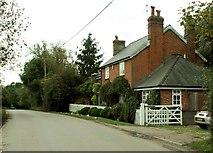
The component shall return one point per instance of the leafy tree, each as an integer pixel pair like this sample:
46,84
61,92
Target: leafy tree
60,90
87,87
198,17
13,23
107,96
4,95
33,73
89,59
11,95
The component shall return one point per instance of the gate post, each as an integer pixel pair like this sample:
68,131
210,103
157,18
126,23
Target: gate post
142,114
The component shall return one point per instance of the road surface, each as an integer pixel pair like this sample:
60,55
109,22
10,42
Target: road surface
39,131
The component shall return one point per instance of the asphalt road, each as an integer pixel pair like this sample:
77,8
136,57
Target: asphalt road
38,131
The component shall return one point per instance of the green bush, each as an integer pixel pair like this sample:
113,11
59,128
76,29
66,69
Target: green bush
4,115
129,109
94,111
104,112
84,111
117,110
110,114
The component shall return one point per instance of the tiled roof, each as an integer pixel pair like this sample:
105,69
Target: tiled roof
130,51
176,71
136,47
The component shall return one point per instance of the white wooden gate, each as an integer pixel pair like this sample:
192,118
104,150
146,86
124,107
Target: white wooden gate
160,114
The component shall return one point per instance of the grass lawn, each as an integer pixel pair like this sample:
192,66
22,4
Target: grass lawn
202,145
98,119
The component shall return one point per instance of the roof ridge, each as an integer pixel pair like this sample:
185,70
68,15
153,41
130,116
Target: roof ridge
170,69
137,40
166,28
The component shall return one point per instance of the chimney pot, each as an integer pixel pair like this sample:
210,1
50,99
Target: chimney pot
158,12
116,37
152,10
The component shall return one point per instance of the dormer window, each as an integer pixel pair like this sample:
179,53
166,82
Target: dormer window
122,68
107,73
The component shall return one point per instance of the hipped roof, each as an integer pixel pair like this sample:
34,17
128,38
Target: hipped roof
176,71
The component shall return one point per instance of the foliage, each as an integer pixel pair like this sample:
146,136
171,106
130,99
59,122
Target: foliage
51,78
84,111
94,100
94,111
88,58
33,73
202,145
104,112
154,98
96,90
107,95
207,78
111,92
4,97
198,16
120,86
87,87
13,24
4,116
59,90
117,110
11,97
129,108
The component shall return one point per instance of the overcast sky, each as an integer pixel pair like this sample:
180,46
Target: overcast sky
58,20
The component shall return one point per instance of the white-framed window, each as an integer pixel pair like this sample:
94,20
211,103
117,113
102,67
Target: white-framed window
145,95
107,73
122,68
176,97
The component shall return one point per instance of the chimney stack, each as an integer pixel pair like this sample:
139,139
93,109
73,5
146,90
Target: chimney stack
118,45
152,10
155,36
190,37
158,12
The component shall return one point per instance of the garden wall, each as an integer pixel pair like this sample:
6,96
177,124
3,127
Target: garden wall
77,107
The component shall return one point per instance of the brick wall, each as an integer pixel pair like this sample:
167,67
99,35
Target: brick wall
173,44
140,66
166,97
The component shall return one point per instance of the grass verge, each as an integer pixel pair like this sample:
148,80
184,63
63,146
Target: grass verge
4,116
98,119
202,145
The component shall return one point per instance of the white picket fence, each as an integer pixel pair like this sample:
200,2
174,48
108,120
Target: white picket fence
158,115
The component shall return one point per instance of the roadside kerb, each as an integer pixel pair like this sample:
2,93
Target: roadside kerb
141,135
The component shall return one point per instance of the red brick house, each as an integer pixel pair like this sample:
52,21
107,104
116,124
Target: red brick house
162,60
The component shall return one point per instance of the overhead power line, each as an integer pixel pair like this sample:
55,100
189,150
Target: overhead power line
88,22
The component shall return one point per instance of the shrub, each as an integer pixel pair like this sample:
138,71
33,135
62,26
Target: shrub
117,110
129,109
94,111
84,111
4,115
110,114
104,112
